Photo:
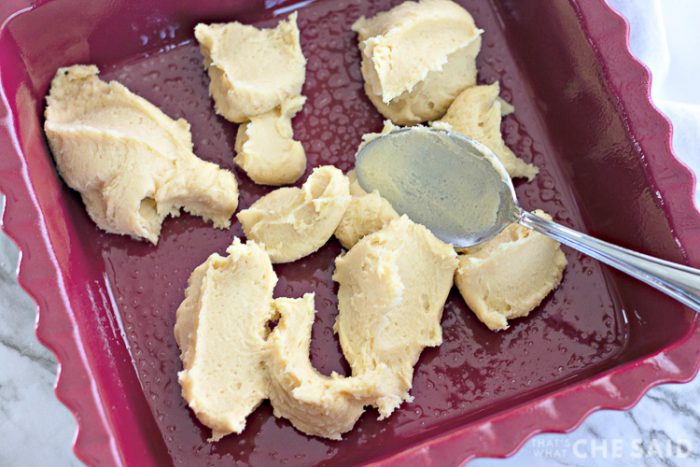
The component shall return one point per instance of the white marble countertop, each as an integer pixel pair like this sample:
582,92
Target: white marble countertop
35,429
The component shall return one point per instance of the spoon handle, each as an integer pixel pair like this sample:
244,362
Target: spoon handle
678,281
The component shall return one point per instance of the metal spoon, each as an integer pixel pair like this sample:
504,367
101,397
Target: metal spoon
459,189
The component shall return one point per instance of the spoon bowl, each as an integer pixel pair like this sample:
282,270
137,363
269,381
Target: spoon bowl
452,184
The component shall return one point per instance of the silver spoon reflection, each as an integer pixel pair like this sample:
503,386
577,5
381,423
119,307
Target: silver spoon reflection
459,190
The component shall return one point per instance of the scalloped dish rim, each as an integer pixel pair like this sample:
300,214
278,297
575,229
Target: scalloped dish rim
500,435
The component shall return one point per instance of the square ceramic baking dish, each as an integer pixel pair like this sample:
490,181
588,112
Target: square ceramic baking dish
106,303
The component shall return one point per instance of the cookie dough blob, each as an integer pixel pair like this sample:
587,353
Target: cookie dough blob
430,98
392,289
132,164
366,213
295,222
400,47
221,328
266,149
476,113
318,405
252,70
509,275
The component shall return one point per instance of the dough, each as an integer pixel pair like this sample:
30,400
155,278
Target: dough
252,71
369,137
318,405
295,222
132,164
221,328
389,127
400,47
431,97
367,213
393,285
476,113
509,275
266,149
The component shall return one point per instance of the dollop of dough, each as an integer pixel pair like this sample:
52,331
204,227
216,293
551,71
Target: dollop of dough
476,113
266,149
509,275
295,222
366,213
318,405
132,164
221,328
430,98
400,47
408,78
393,287
252,71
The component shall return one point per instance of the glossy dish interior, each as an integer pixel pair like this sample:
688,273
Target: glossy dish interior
114,298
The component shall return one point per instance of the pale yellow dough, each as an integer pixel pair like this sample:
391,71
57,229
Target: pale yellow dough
294,222
266,149
132,164
252,71
393,285
318,405
476,113
431,97
401,46
367,213
221,328
417,57
509,275
387,128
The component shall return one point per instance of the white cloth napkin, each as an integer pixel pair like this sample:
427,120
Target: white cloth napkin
665,36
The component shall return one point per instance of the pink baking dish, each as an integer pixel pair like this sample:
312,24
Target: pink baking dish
106,303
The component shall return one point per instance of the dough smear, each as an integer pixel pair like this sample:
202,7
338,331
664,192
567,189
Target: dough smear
252,71
221,328
417,57
266,149
509,275
366,213
393,285
476,113
294,222
318,405
132,164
